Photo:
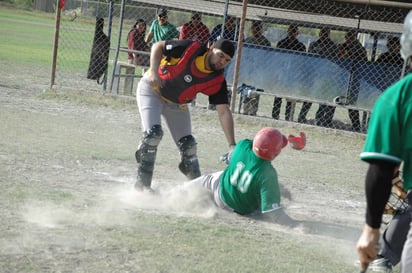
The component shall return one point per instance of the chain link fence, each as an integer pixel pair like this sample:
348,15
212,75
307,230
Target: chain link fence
314,62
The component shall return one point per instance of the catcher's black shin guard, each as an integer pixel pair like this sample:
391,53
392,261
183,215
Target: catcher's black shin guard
146,157
189,164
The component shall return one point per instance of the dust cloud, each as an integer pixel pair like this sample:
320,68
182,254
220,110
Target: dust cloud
115,204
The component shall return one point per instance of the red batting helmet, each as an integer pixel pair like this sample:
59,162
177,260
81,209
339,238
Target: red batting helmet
268,143
297,142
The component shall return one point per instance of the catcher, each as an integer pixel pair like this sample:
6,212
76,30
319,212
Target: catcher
249,184
180,69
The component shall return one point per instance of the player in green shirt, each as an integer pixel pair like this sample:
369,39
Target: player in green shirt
388,144
249,184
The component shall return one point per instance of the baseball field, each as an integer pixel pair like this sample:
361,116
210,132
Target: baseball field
67,170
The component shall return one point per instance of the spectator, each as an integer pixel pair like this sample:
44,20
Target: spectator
135,41
230,31
292,43
251,102
353,50
164,92
393,55
249,184
161,29
324,46
195,30
257,37
388,145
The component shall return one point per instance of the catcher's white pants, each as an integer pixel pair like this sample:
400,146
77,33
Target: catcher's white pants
152,106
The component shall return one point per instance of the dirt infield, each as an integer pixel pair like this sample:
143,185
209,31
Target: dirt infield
67,205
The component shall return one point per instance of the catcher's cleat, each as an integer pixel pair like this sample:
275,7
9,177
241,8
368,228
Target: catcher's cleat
143,183
297,142
140,188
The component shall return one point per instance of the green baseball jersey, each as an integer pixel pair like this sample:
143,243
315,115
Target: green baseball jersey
389,135
163,33
249,183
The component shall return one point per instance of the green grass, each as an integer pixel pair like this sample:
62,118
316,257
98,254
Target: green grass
27,37
25,194
90,99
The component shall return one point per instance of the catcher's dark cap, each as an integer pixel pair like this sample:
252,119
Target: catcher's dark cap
161,11
226,46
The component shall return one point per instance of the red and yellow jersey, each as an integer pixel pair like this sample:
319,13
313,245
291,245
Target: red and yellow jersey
184,74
